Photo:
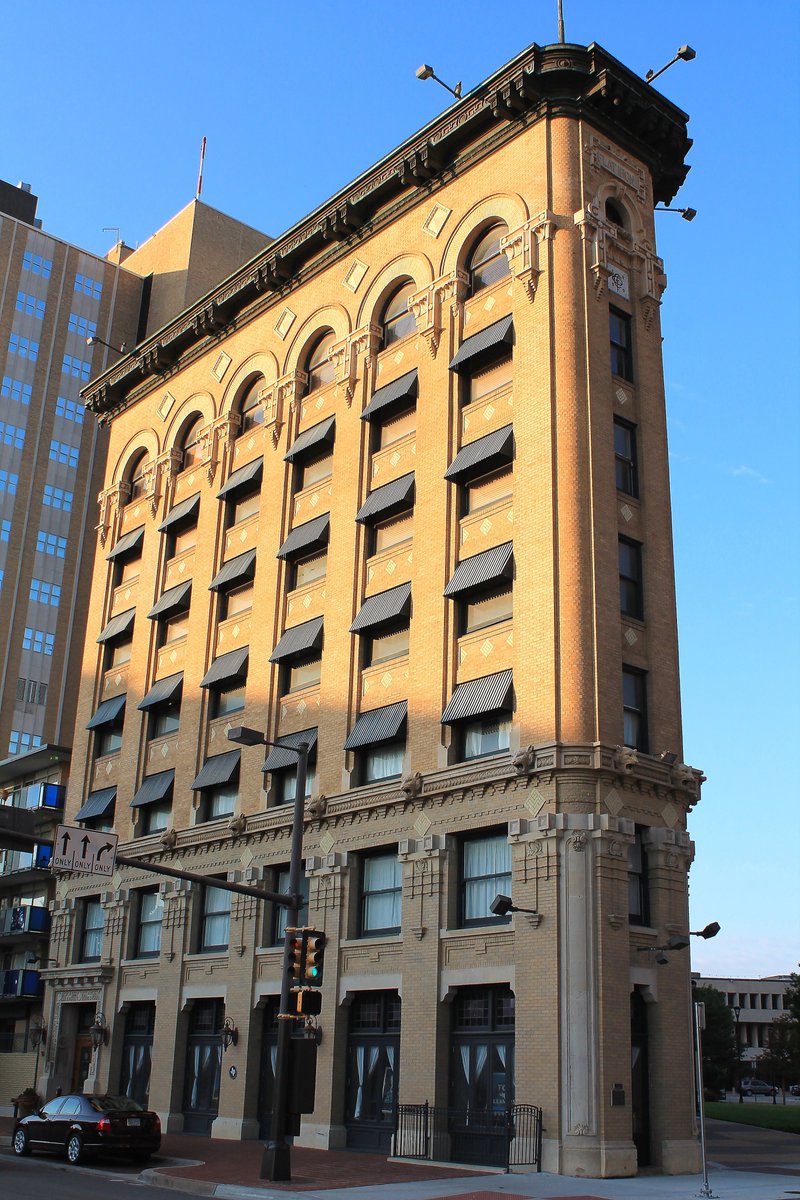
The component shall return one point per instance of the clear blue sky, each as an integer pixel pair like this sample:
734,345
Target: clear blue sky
104,108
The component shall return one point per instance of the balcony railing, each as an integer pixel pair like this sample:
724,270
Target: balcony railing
12,862
24,918
25,984
38,795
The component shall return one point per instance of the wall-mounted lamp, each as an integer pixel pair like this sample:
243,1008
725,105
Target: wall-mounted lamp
38,1034
501,906
679,941
99,1031
94,340
230,1034
688,214
426,72
686,53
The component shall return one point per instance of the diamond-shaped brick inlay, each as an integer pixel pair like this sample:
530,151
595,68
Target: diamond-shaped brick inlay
626,512
165,750
630,637
614,802
370,574
306,600
487,648
622,397
319,403
301,706
485,525
489,305
313,501
118,678
243,536
422,824
510,516
510,639
670,814
391,567
284,711
236,630
246,857
386,678
398,358
365,686
173,658
395,459
534,801
326,843
462,654
109,768
489,412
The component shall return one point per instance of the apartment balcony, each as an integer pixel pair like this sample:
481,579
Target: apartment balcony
24,919
26,866
21,984
46,797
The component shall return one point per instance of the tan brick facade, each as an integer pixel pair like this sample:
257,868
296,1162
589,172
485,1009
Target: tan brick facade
565,796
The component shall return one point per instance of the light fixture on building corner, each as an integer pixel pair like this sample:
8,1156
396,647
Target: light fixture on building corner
688,214
685,53
38,1034
679,941
427,72
99,1031
230,1034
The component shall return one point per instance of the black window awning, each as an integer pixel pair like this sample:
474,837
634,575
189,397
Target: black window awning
98,804
127,545
384,502
483,347
228,668
379,725
482,570
185,512
217,771
108,713
162,692
488,453
300,639
175,600
393,398
154,788
491,693
118,626
241,480
234,571
279,759
313,441
391,605
307,538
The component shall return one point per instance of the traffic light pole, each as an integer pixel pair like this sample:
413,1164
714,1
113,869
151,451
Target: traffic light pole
276,1162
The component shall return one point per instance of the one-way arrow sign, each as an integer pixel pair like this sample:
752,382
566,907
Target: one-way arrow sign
84,850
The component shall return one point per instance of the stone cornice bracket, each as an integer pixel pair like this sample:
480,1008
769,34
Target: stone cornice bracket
208,320
214,438
111,502
428,306
169,839
411,786
238,825
317,807
341,223
521,247
155,360
150,479
419,166
275,396
524,761
345,358
626,759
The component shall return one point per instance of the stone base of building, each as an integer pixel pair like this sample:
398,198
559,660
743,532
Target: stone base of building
590,1159
681,1157
321,1137
234,1129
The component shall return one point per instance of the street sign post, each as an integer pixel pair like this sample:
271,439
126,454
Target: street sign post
84,850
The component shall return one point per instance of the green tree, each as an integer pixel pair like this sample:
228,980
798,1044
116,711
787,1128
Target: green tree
780,1062
791,997
718,1039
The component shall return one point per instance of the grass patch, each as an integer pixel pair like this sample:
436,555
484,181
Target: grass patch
766,1115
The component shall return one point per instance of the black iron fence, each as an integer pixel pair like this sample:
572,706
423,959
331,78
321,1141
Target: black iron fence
509,1138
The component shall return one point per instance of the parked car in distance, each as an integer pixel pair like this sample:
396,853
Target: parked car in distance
82,1126
794,1090
757,1087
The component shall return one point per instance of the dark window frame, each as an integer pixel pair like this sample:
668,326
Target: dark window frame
143,926
626,468
364,895
208,916
473,268
402,324
634,707
91,904
638,880
631,585
620,328
502,885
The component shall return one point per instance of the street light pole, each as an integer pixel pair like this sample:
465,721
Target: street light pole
736,1011
276,1161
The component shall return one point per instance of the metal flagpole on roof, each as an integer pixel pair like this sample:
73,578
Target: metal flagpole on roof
561,36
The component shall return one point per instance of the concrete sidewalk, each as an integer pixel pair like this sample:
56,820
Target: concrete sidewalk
744,1164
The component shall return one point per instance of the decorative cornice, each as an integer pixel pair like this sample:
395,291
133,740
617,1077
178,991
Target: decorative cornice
583,82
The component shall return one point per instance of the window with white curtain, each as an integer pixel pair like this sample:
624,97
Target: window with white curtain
485,872
381,893
215,919
384,760
151,914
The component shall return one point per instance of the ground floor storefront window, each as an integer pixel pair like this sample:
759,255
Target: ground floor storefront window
137,1051
481,1073
373,1052
203,1066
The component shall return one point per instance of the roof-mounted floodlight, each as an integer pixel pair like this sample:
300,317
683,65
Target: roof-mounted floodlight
686,53
688,214
427,72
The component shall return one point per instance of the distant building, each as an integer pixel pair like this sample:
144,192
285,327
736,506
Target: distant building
54,297
399,488
760,1002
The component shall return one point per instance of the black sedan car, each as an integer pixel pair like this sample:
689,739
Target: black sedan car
82,1126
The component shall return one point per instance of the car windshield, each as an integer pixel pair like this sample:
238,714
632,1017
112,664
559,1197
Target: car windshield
114,1104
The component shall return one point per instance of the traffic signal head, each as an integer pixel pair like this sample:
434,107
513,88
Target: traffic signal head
297,958
308,1003
314,956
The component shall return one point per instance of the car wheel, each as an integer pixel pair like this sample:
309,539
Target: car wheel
75,1149
21,1143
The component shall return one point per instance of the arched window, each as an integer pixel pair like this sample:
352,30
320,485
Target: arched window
397,322
320,366
250,409
615,213
135,476
488,263
190,441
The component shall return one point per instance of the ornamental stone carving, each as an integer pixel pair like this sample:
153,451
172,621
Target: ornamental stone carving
111,502
625,759
411,786
345,355
522,248
430,306
274,397
524,761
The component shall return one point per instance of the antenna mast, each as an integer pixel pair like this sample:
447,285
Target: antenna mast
561,36
200,172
